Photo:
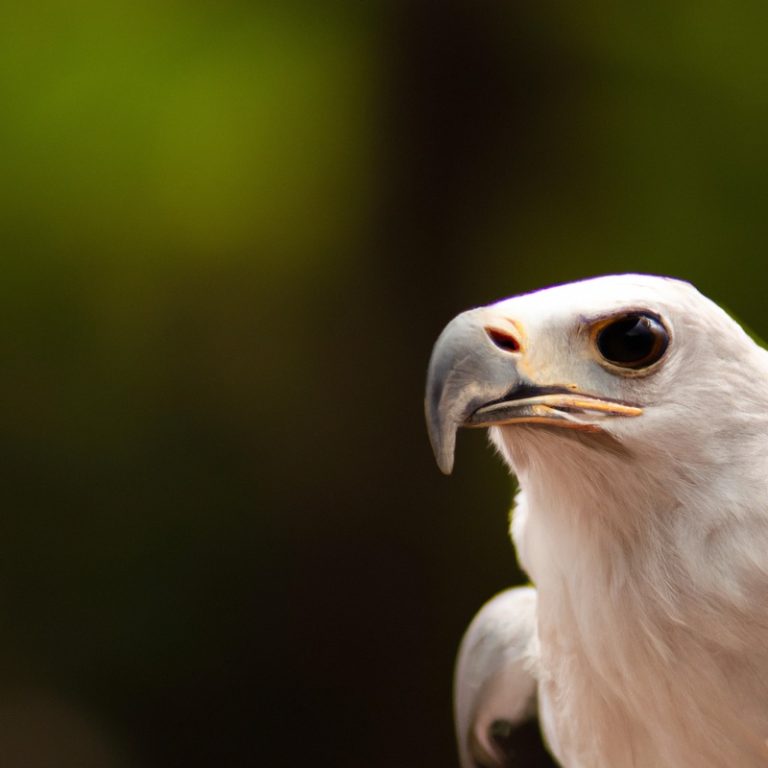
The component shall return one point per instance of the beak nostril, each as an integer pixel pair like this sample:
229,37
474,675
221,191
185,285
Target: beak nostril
503,339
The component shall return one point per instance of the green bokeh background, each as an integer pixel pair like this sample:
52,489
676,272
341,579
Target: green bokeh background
230,234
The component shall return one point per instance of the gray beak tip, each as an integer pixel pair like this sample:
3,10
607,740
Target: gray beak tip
442,437
448,396
444,458
446,465
465,371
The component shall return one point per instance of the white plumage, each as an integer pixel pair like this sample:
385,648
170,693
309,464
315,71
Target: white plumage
643,524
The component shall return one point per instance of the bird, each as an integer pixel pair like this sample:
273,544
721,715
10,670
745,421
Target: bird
633,412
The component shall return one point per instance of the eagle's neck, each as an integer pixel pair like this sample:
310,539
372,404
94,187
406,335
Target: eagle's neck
646,616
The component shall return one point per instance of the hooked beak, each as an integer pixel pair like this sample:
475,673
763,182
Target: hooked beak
474,381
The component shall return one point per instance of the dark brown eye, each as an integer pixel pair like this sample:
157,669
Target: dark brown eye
633,341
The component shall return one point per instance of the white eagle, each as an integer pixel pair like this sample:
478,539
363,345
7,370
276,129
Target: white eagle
634,413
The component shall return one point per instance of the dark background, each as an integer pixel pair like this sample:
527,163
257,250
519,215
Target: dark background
230,234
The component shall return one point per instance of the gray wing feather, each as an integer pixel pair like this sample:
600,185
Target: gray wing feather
495,684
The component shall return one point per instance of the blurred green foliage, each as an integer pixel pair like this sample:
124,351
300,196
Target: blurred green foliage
139,130
230,233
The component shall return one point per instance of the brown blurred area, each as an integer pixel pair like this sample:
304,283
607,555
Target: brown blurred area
231,233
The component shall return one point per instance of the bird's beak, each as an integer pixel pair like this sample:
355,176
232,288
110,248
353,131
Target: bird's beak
474,380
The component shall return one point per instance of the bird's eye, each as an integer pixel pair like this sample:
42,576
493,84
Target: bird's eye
633,341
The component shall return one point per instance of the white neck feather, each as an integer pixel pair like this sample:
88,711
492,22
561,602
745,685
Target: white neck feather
652,574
